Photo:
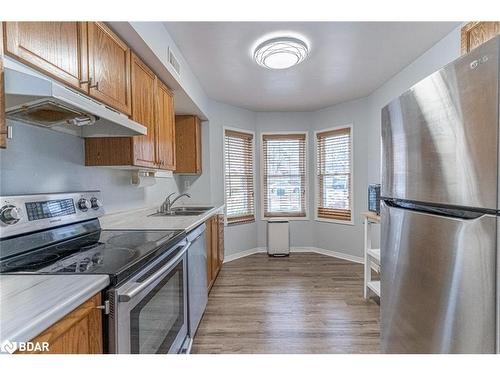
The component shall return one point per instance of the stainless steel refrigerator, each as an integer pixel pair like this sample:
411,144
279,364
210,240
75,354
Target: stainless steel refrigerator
440,205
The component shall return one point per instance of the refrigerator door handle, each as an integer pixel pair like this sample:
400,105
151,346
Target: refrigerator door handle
452,212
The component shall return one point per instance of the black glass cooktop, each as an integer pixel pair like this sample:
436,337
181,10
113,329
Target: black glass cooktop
112,252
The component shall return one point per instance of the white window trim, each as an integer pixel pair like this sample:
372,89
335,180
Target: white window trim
306,187
224,128
316,183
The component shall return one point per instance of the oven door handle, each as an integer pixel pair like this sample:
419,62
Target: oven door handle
138,287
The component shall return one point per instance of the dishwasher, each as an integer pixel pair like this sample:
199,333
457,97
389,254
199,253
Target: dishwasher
197,281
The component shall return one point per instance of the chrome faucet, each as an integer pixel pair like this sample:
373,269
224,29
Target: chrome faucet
166,206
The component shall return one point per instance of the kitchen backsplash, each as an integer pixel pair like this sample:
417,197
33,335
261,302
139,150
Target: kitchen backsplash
40,160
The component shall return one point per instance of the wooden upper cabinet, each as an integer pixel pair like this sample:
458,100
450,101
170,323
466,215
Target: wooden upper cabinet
109,67
59,49
476,33
144,84
165,127
188,144
153,107
84,55
3,124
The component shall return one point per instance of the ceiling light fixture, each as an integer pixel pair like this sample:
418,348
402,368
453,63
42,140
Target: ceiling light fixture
281,53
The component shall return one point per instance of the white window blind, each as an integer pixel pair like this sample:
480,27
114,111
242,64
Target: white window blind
284,175
334,174
238,150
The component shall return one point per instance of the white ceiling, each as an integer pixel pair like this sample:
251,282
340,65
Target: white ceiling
347,60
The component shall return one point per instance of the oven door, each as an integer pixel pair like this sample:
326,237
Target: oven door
149,312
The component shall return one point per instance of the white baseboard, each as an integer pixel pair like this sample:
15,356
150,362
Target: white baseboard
297,249
244,253
339,255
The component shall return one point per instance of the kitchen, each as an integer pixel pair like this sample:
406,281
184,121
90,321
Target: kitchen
181,187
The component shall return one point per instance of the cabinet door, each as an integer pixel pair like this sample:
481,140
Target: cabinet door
79,332
3,125
58,49
220,244
476,33
166,128
208,244
197,136
215,247
188,144
143,111
109,67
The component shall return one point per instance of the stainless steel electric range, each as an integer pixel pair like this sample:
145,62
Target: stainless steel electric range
146,302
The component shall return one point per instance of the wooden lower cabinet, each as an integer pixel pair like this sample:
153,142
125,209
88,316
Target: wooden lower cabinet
476,33
79,332
215,247
220,244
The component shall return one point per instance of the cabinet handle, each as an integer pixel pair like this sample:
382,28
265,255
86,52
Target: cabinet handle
96,86
104,307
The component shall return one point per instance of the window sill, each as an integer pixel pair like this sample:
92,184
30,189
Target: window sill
287,218
236,223
333,221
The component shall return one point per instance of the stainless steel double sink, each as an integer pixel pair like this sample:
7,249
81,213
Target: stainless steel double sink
183,211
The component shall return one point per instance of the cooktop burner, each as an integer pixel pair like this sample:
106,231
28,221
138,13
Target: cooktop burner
112,252
58,233
32,262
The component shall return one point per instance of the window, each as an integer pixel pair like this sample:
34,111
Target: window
284,175
334,167
238,151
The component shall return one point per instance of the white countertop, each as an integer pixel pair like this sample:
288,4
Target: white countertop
29,304
140,219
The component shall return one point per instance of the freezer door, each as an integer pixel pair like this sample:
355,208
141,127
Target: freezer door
439,139
438,283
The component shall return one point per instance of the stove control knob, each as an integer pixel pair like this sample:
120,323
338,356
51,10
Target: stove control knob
10,214
95,203
97,259
84,204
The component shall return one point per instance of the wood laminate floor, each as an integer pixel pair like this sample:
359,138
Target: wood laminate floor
306,303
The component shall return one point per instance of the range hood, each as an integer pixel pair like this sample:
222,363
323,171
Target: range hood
34,99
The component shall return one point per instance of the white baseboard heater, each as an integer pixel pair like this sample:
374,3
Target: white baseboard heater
278,237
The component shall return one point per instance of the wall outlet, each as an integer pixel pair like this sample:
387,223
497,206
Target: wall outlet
187,184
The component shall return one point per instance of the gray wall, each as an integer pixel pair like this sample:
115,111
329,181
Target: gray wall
342,237
307,232
39,161
442,53
364,114
301,231
242,236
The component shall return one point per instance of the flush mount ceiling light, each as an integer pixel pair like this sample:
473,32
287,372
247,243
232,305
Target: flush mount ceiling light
281,53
